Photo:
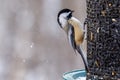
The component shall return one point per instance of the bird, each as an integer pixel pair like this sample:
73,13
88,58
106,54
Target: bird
74,31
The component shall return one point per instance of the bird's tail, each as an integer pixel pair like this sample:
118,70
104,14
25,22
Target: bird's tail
81,52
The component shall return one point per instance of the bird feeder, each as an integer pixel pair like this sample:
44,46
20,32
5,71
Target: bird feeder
103,39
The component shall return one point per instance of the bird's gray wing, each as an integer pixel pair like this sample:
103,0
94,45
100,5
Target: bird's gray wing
71,36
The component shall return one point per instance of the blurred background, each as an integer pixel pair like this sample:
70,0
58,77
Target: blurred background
32,45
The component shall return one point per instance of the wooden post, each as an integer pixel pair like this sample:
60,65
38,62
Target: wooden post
103,39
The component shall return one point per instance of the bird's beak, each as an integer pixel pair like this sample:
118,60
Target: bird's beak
72,11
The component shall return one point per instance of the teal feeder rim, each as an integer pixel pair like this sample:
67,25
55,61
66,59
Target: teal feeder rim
74,75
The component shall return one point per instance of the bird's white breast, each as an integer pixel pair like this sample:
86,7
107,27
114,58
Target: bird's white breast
76,21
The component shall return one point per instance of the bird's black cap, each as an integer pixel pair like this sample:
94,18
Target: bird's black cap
63,11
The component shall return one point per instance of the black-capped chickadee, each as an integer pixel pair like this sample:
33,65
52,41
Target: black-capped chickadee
75,33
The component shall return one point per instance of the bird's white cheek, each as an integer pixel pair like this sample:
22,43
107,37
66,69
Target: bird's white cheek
63,22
